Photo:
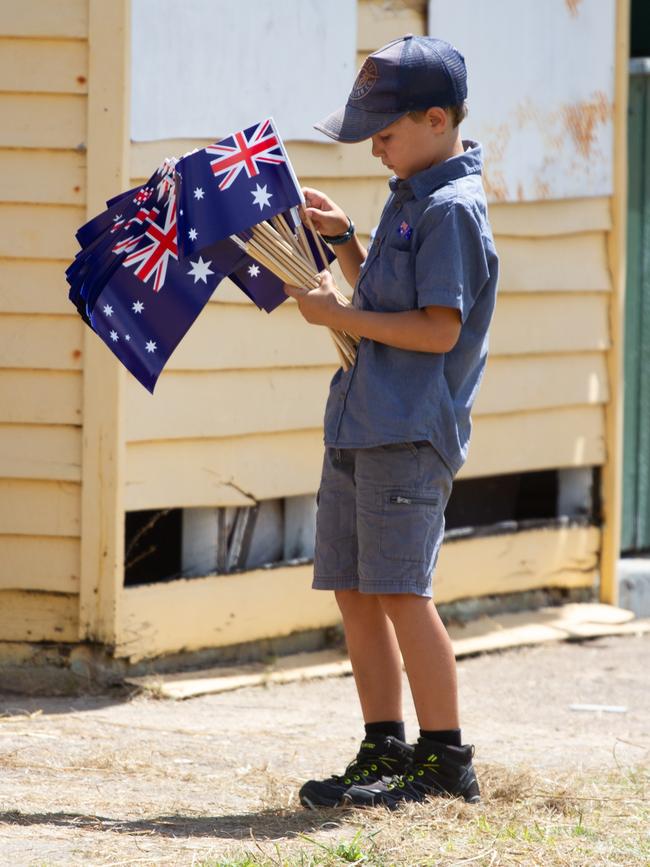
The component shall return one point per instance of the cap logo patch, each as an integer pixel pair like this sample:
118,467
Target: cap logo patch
366,79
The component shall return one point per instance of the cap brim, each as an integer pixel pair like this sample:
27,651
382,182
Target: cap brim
350,124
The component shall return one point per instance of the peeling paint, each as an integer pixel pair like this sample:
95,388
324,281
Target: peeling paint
573,7
582,118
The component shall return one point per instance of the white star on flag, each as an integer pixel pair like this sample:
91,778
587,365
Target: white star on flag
254,271
193,234
138,307
151,346
114,336
198,193
261,197
127,336
117,218
108,310
200,270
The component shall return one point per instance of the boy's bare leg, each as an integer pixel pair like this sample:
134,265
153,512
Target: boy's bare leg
428,658
375,655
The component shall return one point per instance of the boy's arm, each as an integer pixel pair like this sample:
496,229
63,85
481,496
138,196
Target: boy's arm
431,329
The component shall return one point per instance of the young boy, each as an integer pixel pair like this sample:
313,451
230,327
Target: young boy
397,425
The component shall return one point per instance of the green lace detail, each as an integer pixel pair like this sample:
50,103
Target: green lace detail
418,770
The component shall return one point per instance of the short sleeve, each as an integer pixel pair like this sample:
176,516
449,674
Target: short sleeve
450,263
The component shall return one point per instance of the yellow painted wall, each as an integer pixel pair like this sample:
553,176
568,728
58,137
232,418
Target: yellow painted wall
548,398
43,87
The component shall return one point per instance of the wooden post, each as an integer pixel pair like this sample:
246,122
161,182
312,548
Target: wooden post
613,467
102,509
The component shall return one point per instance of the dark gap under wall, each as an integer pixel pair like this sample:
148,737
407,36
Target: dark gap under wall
157,542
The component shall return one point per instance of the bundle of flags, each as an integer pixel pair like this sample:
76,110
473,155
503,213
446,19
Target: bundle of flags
150,262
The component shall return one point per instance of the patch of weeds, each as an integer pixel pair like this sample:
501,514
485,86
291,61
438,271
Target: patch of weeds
345,852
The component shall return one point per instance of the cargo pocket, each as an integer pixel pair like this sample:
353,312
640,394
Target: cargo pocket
411,523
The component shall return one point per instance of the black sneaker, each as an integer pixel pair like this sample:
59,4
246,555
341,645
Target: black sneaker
381,759
437,769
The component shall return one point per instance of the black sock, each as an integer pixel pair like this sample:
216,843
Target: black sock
451,737
394,728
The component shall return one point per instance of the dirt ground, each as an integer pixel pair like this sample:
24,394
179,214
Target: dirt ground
213,780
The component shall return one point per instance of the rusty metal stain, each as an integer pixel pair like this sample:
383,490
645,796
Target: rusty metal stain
582,118
495,184
573,7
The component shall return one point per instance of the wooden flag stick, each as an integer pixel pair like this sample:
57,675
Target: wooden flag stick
265,236
283,228
318,241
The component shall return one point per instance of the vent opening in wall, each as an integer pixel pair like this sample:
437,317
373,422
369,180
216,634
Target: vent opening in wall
186,543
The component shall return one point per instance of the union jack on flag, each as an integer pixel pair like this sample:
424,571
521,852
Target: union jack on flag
152,259
246,153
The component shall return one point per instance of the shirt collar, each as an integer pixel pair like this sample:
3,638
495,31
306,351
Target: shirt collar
425,182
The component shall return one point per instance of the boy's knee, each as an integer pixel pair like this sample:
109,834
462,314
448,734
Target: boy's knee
397,604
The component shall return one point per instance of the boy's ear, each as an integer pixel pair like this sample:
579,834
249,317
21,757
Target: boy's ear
437,118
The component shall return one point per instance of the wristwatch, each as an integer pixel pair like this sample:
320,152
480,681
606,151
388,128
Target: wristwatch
340,239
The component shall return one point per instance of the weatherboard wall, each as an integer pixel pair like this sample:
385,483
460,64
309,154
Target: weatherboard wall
240,406
43,100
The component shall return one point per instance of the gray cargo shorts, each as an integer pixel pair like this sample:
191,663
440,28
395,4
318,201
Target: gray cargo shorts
381,518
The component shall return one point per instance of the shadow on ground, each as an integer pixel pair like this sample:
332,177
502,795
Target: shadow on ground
264,824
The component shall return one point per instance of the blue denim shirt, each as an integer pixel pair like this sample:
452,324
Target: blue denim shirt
433,246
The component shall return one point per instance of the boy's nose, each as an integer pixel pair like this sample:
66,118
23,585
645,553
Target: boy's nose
376,150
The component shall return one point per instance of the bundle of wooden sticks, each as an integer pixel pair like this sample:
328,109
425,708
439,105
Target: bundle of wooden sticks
286,252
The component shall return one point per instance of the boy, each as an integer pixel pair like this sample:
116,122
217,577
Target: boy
397,425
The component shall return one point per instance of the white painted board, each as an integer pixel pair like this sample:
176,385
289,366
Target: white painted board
541,92
205,68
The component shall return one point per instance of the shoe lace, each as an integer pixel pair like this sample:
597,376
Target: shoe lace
417,769
363,765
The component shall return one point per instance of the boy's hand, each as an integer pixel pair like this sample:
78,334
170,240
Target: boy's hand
318,306
326,215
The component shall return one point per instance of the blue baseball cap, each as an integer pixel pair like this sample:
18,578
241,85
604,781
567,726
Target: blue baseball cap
412,73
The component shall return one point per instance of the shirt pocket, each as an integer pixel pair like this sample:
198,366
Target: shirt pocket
412,521
391,285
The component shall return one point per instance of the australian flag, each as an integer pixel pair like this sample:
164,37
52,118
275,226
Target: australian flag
151,261
229,186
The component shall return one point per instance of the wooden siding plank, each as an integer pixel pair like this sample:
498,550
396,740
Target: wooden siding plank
30,616
45,342
39,231
50,452
34,286
553,322
43,65
572,263
40,508
43,176
561,217
44,18
42,120
222,610
236,336
553,557
214,472
217,472
547,439
222,404
39,563
231,403
40,397
533,382
378,24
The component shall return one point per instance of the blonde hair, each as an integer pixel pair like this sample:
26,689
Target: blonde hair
458,113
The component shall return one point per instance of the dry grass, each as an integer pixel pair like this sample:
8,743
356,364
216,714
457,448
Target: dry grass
524,819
